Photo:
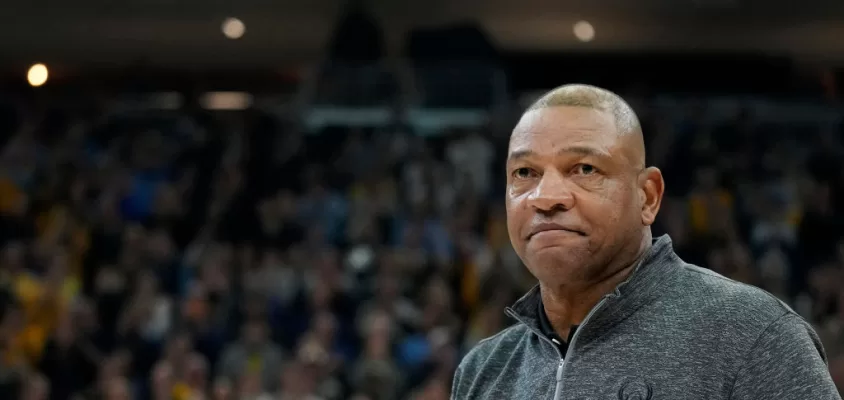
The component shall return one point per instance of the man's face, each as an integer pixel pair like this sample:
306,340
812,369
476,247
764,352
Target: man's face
573,198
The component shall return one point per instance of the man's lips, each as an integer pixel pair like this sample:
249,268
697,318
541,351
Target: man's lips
550,226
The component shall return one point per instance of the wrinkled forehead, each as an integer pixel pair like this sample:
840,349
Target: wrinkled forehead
548,131
551,128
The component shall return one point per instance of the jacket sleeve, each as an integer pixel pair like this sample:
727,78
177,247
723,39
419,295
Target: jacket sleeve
786,362
455,383
464,377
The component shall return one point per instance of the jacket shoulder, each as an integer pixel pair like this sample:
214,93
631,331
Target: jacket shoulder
492,350
710,291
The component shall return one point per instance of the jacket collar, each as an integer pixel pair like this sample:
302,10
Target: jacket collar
641,288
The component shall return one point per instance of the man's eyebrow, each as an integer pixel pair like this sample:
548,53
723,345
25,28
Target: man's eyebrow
581,150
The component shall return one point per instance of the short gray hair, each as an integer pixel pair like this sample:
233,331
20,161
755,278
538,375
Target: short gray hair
580,95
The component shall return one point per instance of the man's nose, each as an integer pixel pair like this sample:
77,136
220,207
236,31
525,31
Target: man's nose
553,193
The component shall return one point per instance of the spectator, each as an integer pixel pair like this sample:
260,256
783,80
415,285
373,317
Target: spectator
37,388
252,357
297,382
69,362
472,156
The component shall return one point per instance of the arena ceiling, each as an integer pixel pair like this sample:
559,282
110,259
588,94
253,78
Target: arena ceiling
187,32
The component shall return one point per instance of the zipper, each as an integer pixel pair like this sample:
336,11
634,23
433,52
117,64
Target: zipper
558,390
561,367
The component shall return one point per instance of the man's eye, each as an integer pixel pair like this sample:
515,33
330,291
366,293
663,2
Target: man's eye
523,173
585,169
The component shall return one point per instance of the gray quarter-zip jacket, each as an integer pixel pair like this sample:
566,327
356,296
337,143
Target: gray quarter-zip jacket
671,331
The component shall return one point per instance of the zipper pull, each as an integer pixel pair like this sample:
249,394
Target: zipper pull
560,370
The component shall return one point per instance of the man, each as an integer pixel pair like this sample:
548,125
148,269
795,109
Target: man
616,314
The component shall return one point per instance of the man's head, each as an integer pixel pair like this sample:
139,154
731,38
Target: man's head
579,196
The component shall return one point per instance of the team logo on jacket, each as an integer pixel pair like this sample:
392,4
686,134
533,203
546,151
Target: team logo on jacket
635,390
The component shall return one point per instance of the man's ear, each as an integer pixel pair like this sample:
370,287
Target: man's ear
652,187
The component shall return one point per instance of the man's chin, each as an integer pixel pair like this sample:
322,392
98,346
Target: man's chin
556,258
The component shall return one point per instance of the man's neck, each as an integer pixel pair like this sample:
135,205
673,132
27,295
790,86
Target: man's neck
569,304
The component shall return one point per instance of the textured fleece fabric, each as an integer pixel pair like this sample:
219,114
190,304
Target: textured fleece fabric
670,331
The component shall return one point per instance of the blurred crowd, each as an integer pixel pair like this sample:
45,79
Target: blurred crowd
198,255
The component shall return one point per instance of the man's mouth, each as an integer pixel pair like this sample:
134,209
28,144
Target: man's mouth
550,227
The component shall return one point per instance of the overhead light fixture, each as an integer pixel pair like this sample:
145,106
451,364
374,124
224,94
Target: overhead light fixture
233,28
584,31
37,75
